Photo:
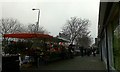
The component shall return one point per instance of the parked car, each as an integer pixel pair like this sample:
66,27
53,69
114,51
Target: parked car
76,52
26,60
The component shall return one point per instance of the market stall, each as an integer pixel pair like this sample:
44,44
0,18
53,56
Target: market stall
37,48
33,45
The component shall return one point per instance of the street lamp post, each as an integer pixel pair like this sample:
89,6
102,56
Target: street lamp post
37,24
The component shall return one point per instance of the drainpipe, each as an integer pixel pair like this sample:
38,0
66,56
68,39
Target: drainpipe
107,52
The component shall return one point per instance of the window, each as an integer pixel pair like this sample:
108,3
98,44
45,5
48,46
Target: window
116,47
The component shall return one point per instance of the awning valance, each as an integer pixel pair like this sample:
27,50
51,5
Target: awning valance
27,35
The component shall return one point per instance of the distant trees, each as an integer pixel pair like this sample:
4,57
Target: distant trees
10,25
84,41
32,29
76,30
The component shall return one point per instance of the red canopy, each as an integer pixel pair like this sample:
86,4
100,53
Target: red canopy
27,35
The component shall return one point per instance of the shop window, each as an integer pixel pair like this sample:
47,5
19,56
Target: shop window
116,47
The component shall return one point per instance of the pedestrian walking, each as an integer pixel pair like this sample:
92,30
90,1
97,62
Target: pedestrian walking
81,51
88,51
94,51
71,50
85,51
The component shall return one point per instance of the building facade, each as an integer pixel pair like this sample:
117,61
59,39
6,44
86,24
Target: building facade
109,34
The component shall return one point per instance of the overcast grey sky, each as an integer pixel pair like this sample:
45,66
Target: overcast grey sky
53,13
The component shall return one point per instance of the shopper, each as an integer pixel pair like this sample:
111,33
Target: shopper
81,51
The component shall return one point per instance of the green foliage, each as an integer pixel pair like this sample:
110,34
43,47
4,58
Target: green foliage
116,51
19,47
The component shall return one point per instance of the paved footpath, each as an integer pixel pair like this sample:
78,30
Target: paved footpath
77,63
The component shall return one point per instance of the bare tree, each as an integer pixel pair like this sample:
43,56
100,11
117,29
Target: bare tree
84,41
10,25
32,29
76,28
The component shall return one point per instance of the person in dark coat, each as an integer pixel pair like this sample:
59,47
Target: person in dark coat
71,49
88,51
63,52
81,51
85,51
94,51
